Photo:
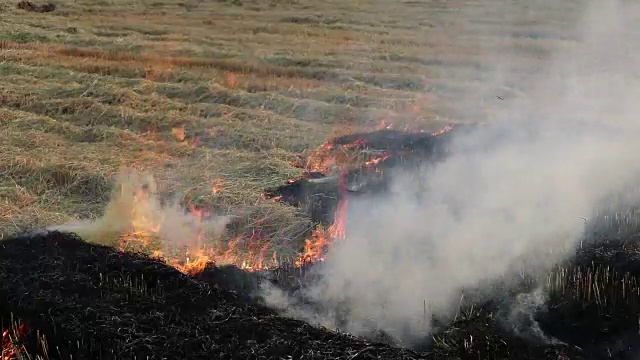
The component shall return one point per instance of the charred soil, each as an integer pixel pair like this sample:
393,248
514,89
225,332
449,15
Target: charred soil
93,302
90,301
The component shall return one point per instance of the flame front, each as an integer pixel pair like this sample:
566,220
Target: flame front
136,219
184,238
320,239
445,129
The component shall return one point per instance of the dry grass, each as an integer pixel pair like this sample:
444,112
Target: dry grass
201,92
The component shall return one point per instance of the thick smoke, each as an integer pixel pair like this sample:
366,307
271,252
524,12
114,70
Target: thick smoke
513,195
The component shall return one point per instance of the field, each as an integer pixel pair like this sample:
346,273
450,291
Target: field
219,100
224,95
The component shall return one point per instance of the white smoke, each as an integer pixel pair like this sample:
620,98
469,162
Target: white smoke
545,162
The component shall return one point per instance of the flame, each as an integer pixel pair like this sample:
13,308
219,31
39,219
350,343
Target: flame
231,81
10,343
189,239
140,219
325,159
385,125
375,161
252,256
179,133
445,129
190,265
217,186
321,239
355,144
195,260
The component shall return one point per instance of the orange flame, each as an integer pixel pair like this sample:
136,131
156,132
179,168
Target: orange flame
445,129
149,222
196,261
385,125
315,246
10,345
253,256
179,133
377,160
255,253
320,239
217,186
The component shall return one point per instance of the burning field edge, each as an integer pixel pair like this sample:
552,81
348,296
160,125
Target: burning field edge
62,297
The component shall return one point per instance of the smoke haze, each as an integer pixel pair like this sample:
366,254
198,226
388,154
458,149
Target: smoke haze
513,193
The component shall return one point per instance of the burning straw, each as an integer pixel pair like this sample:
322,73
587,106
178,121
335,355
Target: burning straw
136,218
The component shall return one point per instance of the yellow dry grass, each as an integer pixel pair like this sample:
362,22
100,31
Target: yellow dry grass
201,94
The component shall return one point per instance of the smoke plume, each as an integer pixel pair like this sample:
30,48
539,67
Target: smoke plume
513,193
135,207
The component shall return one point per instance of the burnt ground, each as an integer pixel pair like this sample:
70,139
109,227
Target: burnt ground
592,308
39,8
94,302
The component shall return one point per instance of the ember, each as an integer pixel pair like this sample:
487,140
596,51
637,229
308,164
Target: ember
11,343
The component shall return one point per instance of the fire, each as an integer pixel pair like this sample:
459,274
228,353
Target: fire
326,159
179,133
217,186
320,161
10,346
355,144
320,239
445,129
375,161
145,219
313,248
231,81
384,125
253,256
136,218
